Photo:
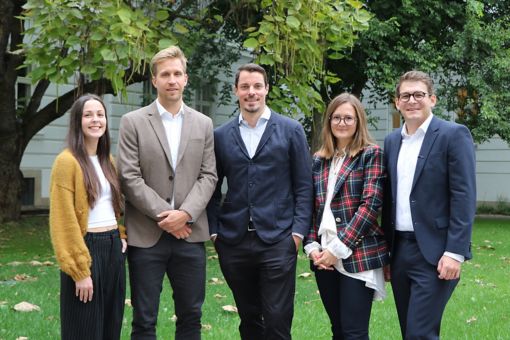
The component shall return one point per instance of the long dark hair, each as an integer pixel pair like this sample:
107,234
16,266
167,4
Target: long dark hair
76,144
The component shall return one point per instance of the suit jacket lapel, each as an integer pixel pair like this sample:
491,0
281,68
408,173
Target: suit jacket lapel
157,125
396,143
428,141
268,131
345,170
187,125
236,135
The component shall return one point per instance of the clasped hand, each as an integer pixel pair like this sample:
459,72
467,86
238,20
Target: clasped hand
174,222
323,260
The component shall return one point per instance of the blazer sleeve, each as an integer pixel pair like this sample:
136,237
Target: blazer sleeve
196,201
302,182
136,191
71,251
371,199
462,182
213,208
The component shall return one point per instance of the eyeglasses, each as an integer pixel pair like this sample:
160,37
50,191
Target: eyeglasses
418,96
348,120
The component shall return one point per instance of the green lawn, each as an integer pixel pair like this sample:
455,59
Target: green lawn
478,309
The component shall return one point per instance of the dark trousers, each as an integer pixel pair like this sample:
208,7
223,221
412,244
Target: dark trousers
184,265
420,296
348,303
262,278
100,318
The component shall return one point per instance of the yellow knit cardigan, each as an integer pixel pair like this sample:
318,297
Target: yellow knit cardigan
69,211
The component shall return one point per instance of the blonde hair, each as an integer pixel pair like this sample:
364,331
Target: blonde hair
167,53
361,137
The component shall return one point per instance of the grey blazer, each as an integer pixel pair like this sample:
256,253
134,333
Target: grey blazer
148,179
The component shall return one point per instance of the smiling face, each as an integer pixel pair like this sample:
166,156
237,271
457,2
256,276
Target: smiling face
93,121
342,131
415,112
170,80
251,90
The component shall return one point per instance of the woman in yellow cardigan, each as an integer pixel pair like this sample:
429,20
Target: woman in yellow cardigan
85,202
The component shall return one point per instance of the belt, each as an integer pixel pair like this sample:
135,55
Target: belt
102,229
408,235
251,227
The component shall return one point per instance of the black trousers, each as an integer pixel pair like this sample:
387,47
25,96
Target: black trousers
348,303
262,278
420,296
184,265
100,318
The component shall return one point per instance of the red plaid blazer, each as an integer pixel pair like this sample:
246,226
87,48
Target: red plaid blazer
355,204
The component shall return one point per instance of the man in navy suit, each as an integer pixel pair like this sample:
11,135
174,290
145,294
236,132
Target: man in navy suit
267,209
429,207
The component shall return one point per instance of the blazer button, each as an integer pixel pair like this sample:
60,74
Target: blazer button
168,200
338,219
171,177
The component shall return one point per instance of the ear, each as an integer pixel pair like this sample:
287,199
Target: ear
433,100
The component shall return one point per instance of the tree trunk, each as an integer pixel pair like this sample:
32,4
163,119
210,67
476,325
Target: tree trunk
11,178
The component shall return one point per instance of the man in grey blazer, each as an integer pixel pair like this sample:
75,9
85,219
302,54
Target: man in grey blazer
168,173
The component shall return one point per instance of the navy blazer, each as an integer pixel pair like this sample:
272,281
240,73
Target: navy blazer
443,194
274,187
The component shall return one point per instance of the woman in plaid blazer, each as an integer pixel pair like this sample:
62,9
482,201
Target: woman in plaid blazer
346,243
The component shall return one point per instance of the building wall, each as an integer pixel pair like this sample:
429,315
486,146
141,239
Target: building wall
493,157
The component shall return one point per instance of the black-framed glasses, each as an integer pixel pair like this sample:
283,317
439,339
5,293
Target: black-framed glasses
348,120
417,95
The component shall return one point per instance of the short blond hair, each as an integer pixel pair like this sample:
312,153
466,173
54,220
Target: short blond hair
167,53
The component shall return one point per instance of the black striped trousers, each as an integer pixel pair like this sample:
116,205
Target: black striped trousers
100,318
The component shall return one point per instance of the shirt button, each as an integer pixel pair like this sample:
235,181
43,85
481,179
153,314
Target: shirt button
168,200
171,178
338,219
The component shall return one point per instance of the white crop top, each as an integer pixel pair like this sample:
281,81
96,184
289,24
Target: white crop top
102,215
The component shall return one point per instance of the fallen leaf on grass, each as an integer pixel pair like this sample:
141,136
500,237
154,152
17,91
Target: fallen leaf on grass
471,319
212,257
305,275
206,327
230,308
14,263
127,302
22,338
219,296
173,318
26,307
35,263
24,277
48,263
215,281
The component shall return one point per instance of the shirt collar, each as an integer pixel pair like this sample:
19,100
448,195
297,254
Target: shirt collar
162,110
264,117
421,130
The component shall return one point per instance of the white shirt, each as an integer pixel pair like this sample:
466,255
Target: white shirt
373,278
251,135
102,215
173,127
406,167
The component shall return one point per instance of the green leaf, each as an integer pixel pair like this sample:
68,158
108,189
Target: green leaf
162,15
164,43
251,43
179,28
108,55
124,15
293,22
266,59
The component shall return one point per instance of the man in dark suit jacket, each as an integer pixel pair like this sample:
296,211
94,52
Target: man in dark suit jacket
168,174
267,209
429,207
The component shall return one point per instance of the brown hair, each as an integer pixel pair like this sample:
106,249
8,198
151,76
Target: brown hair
167,53
361,137
76,144
251,68
415,76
